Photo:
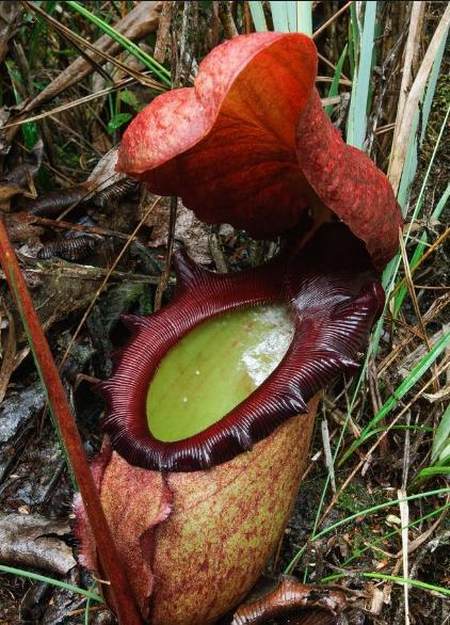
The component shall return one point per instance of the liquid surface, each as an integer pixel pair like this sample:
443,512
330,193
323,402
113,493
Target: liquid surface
214,368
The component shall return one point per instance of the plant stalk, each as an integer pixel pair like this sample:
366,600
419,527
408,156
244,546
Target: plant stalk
125,605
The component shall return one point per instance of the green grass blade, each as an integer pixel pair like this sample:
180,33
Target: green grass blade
29,130
334,87
291,10
381,540
353,40
304,17
259,19
420,248
414,376
391,269
357,119
415,583
411,160
403,291
431,88
149,62
429,472
280,16
441,440
409,167
377,508
37,577
360,514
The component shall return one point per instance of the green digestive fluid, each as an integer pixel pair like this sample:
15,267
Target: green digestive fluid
215,367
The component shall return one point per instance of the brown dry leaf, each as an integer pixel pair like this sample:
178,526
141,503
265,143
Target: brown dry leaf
376,598
33,541
103,184
19,180
6,193
142,20
9,17
59,288
104,174
64,288
7,354
189,230
21,229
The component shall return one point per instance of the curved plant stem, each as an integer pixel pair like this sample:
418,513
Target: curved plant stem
125,605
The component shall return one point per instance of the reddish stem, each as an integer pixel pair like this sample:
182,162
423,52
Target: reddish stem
126,608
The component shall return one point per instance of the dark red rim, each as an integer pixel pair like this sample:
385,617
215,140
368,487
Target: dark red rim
334,295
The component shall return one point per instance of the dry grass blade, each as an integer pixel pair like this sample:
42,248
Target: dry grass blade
78,40
69,105
317,32
8,355
141,20
105,280
412,292
404,516
327,452
400,147
412,43
436,244
383,434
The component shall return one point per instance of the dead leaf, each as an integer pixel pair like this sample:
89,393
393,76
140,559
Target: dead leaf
142,20
21,229
7,355
190,231
6,193
9,17
102,185
33,541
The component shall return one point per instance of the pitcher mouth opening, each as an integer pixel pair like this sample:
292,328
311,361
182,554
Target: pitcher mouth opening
328,296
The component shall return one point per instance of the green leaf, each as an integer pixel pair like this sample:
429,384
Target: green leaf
304,17
280,16
432,472
420,248
334,87
118,120
130,98
30,134
259,19
441,442
357,118
37,577
291,10
149,62
411,379
30,130
415,583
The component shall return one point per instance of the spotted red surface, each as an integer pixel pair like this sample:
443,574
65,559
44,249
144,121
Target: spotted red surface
226,523
193,544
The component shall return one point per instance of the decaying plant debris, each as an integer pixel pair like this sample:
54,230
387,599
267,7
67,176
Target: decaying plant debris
70,215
